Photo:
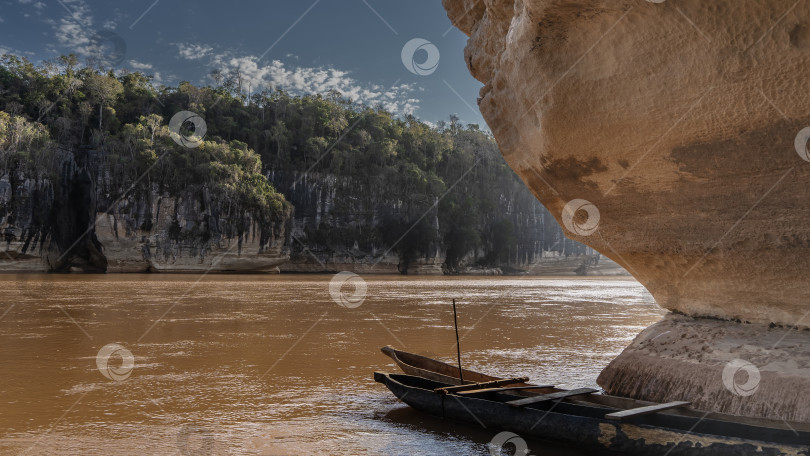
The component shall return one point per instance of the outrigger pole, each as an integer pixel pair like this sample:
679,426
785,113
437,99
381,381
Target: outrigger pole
458,346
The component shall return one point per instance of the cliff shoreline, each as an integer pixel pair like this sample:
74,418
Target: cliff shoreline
280,264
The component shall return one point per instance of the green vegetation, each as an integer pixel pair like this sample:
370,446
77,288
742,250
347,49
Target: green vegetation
451,188
60,105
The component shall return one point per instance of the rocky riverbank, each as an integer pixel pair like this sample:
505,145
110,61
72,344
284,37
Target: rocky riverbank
666,135
726,366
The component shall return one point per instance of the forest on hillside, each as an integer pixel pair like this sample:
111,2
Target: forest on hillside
429,190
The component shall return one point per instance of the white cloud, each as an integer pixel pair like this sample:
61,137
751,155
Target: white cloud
76,30
74,36
16,52
1,20
190,51
299,80
161,79
140,66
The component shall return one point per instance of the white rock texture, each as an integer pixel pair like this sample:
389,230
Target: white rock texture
679,121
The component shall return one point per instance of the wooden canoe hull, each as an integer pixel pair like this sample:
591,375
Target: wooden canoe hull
586,427
422,366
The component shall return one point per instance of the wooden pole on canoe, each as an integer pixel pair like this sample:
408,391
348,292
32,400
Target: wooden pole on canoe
458,346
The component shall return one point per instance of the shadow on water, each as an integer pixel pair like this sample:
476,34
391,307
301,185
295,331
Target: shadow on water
442,429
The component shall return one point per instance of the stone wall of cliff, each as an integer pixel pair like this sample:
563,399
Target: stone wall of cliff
672,137
346,223
76,221
682,134
70,222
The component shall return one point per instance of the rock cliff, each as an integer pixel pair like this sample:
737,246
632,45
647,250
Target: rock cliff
675,125
344,222
71,223
373,192
189,233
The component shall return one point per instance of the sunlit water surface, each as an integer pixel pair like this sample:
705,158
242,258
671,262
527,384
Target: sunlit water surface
272,365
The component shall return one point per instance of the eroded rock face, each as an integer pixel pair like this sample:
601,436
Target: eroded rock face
187,234
345,222
743,369
71,225
678,121
679,126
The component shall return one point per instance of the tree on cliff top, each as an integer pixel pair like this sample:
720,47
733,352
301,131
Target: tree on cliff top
404,160
103,89
139,153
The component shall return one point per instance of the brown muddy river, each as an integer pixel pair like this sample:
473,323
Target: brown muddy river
271,365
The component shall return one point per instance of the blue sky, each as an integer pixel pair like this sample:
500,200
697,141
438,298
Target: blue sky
354,46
